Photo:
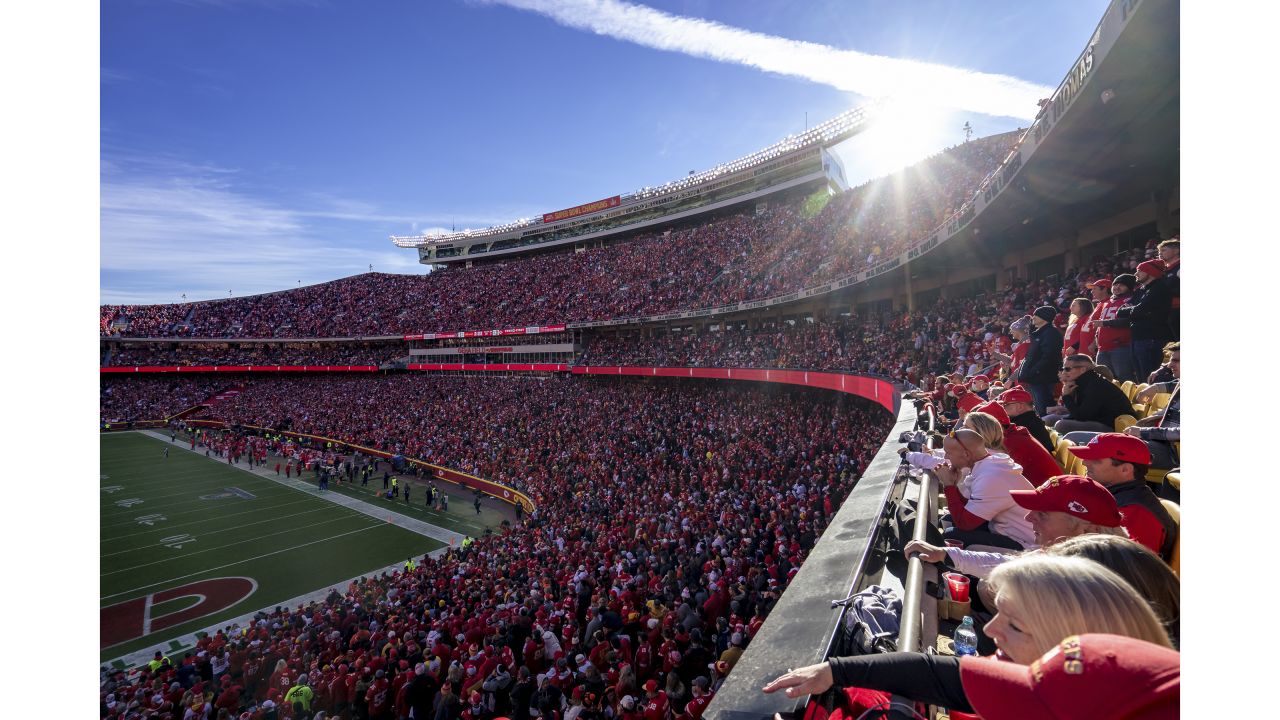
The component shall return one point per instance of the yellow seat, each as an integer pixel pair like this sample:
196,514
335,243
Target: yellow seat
1176,513
1128,388
1175,480
1125,421
1060,452
1053,437
1158,403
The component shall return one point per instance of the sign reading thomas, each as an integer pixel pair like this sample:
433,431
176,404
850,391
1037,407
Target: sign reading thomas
590,207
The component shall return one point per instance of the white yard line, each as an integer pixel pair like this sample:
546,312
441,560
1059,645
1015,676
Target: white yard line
407,522
220,518
216,548
170,528
237,562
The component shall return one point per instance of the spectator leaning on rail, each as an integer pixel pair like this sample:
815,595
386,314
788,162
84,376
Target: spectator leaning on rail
1119,463
1092,402
982,510
1037,372
1018,408
1040,598
1062,507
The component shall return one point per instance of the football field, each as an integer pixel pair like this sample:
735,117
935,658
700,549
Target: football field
188,541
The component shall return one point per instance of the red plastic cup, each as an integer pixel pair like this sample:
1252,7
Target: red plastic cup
955,544
958,586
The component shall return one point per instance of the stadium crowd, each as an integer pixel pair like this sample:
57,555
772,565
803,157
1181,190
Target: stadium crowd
186,354
967,335
654,555
151,397
780,249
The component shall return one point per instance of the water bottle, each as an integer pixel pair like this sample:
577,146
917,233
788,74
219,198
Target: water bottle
966,638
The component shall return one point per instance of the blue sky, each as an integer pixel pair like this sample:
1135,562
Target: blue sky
249,145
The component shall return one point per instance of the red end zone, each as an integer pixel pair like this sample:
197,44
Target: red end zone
132,619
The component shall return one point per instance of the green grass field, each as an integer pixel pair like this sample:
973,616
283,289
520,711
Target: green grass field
188,541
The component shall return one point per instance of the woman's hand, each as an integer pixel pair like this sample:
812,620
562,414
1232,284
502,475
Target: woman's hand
928,553
809,680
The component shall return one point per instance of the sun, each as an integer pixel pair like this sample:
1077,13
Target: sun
903,133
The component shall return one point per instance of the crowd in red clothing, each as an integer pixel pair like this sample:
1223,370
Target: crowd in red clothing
961,335
153,397
184,354
727,260
656,550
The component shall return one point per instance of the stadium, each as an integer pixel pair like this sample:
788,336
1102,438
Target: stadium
639,458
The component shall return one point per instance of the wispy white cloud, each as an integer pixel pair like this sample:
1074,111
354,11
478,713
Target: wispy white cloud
170,226
869,75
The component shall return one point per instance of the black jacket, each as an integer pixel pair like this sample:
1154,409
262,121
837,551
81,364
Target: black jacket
1097,400
1044,357
1149,310
1036,427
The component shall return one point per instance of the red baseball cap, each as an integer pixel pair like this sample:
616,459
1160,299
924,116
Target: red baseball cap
1100,282
1087,677
1116,446
1154,268
994,409
976,378
1074,495
969,401
1015,395
651,685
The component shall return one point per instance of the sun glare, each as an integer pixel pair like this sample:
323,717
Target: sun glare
905,133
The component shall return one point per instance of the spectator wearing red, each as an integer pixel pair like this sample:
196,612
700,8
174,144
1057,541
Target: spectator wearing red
1119,463
1018,408
1036,462
1113,336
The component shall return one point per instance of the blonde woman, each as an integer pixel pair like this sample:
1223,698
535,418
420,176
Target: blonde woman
1045,603
989,428
1042,598
1141,568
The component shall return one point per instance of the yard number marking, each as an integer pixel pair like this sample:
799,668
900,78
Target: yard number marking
129,502
177,541
150,519
112,488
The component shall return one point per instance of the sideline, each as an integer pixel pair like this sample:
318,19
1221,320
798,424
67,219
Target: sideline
407,522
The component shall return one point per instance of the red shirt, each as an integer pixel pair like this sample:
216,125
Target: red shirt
1037,464
1110,338
379,697
1143,526
656,707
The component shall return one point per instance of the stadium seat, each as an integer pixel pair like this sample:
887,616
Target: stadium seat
1129,389
1175,480
1176,513
1158,403
1125,421
1053,437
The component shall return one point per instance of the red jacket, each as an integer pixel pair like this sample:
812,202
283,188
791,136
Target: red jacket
1037,464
